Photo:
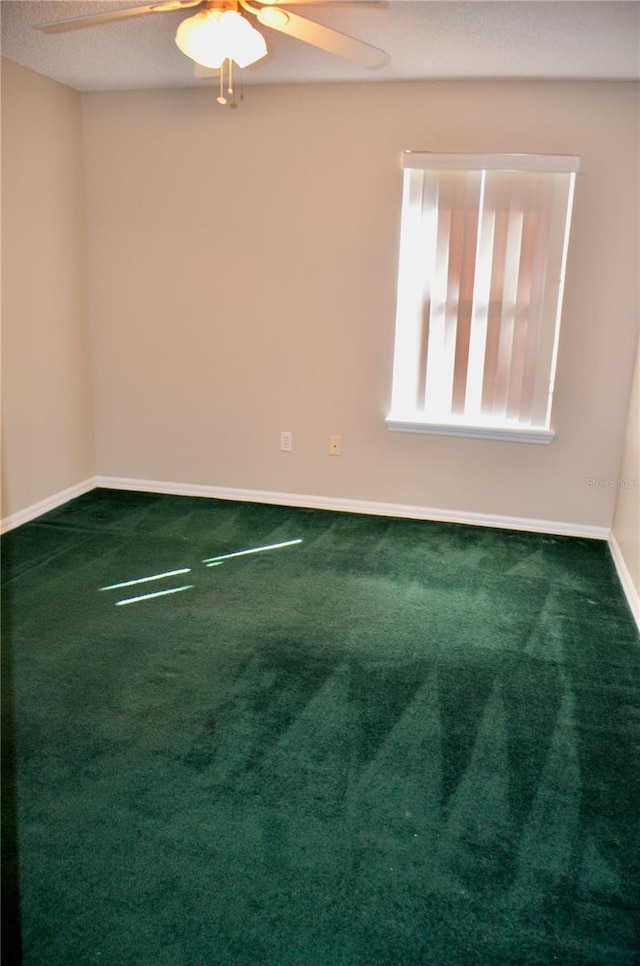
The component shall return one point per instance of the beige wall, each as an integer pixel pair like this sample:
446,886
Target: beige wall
242,282
47,412
626,521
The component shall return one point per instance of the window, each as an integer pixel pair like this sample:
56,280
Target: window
483,248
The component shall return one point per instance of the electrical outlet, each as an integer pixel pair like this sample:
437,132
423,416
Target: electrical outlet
335,445
286,442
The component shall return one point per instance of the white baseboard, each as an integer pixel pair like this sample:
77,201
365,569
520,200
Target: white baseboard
358,506
49,503
630,590
312,502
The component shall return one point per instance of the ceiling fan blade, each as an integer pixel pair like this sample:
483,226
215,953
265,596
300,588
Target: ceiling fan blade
325,3
93,19
333,41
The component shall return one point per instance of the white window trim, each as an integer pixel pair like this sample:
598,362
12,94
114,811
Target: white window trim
553,163
533,434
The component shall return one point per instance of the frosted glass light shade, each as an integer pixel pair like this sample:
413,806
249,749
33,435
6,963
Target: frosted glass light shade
213,36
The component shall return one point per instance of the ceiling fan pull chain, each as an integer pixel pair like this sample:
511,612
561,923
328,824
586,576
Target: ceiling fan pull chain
232,90
221,99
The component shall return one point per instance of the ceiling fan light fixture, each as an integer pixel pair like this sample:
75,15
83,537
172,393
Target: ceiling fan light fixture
213,36
273,17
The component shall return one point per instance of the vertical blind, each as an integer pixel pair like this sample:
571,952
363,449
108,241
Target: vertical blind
482,255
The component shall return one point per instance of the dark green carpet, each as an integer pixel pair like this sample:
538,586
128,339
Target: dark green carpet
395,742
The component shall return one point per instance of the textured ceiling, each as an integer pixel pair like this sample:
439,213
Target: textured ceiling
424,38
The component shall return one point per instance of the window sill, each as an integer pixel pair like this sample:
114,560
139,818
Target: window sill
509,434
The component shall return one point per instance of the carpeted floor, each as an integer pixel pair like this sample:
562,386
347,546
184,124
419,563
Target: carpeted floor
387,743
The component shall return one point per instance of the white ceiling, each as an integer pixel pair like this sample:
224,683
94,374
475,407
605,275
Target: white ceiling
596,39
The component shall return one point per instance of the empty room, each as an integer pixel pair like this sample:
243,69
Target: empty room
320,483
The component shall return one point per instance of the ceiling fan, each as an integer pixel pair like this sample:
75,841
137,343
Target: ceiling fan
221,33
